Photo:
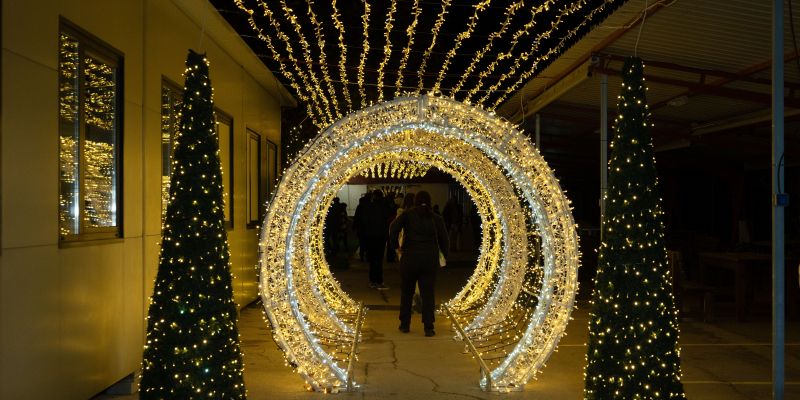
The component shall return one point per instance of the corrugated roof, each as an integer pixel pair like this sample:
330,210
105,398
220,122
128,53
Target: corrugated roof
726,36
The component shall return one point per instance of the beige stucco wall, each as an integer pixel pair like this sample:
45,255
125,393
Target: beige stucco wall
72,319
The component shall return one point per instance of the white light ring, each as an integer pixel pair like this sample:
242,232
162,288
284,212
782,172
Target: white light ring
295,226
383,110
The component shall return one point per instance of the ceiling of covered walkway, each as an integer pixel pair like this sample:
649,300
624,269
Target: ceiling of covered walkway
708,69
707,66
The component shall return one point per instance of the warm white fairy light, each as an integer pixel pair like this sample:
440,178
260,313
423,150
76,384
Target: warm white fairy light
437,26
365,50
521,33
326,103
511,10
524,63
316,113
306,81
552,52
410,31
399,169
387,48
323,64
342,54
494,161
473,20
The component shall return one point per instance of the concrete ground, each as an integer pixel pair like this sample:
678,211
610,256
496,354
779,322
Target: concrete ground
725,360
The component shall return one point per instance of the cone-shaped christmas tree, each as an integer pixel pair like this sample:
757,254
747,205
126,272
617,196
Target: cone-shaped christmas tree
192,348
633,328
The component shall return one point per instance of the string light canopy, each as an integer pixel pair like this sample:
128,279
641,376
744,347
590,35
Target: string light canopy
399,169
517,197
339,56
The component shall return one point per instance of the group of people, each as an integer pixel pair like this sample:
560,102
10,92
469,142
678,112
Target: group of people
412,233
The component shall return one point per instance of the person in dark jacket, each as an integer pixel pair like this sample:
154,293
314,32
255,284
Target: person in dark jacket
359,224
376,229
332,223
424,236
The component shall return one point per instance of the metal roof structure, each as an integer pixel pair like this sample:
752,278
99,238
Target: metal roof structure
708,73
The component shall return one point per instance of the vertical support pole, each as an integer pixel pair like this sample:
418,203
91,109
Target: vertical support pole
538,137
778,273
603,148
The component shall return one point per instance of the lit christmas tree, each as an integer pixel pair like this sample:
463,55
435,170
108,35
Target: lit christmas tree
633,328
192,348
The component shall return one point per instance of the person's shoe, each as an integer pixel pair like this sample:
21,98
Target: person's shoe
373,285
381,286
404,328
430,332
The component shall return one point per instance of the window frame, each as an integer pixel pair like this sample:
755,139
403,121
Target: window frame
174,87
254,223
222,115
92,46
272,168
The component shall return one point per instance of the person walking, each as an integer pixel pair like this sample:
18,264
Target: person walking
359,224
341,231
376,224
424,236
332,223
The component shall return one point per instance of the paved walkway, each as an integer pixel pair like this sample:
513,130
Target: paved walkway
725,360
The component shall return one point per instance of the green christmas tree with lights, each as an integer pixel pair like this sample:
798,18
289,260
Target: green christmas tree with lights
633,327
192,349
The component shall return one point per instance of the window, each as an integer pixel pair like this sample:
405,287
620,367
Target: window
171,101
272,167
253,179
225,134
90,122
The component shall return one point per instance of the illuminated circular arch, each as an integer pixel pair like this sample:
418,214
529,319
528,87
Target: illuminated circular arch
516,193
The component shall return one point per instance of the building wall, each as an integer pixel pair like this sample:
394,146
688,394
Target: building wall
72,319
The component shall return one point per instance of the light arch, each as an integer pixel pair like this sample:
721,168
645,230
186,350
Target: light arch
300,295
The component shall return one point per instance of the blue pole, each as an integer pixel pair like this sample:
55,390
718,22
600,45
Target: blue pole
778,273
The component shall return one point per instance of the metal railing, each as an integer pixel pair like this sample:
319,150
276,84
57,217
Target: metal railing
484,368
354,346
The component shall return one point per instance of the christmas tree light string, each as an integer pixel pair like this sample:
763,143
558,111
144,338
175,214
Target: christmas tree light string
633,350
303,302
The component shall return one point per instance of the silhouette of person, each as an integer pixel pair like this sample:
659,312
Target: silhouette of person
376,223
359,224
332,224
424,236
